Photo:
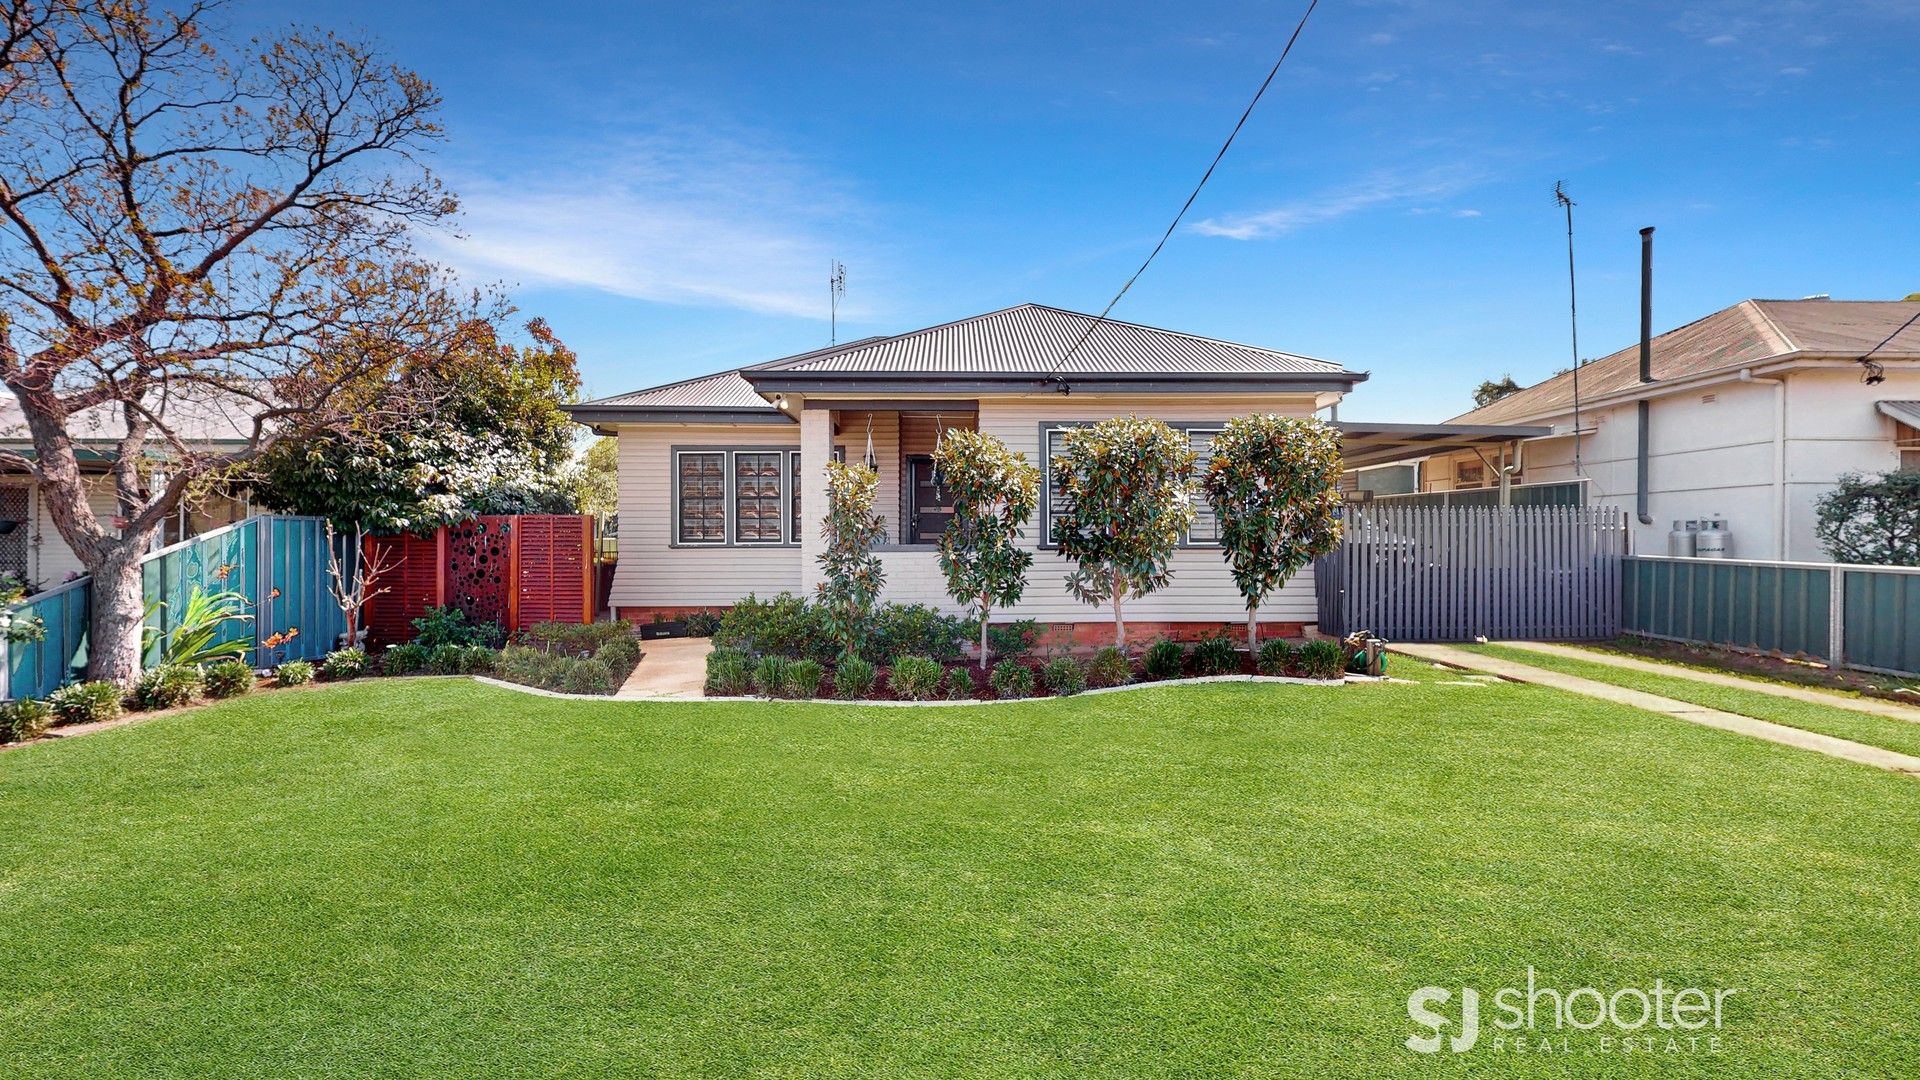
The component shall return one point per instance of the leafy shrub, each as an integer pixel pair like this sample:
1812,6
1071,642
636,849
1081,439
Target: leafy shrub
462,660
620,655
772,675
85,703
449,626
199,625
803,678
960,685
1065,676
729,674
918,630
294,673
1215,655
917,678
784,626
530,666
1011,679
1277,657
1322,659
1164,660
26,718
1109,667
854,678
703,623
168,686
1013,640
586,677
344,664
229,679
408,659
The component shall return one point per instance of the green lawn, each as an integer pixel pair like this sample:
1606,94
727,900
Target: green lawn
1832,720
439,878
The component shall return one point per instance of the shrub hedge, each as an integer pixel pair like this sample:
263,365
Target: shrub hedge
1011,679
85,703
167,686
23,719
1164,660
229,678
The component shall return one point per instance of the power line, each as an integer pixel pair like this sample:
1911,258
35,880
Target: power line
1053,374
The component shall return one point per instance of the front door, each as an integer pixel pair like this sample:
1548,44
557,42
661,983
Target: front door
928,510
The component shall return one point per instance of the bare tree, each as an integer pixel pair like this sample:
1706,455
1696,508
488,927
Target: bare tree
352,591
189,224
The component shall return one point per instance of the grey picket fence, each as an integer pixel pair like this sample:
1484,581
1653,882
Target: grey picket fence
278,562
1865,617
1454,573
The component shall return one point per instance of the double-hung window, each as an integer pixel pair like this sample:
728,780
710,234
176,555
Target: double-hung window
1205,530
745,496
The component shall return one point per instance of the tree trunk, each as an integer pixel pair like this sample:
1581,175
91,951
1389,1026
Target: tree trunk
1119,619
1253,630
119,611
984,612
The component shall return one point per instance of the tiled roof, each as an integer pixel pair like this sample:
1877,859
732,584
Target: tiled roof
1034,339
1750,332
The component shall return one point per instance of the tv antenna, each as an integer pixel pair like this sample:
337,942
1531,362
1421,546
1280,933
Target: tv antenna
1562,199
836,288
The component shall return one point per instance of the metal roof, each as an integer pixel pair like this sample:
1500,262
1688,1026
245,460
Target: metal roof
1907,412
1748,333
1364,444
727,390
1034,339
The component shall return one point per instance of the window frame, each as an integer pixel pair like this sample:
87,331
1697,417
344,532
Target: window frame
789,537
1048,428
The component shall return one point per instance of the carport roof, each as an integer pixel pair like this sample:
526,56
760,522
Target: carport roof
1364,444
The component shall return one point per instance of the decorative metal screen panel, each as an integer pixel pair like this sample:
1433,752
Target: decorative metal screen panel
480,569
414,583
555,568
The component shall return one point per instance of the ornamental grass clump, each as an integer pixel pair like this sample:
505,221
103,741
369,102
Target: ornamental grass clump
294,673
1065,676
343,664
729,673
586,677
1215,655
853,679
1011,679
407,659
803,679
229,679
772,675
960,685
23,719
1322,659
85,703
1164,660
1277,657
917,678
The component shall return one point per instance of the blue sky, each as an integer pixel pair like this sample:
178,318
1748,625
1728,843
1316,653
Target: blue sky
666,184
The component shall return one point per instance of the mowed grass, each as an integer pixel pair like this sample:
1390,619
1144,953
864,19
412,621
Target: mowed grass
1835,720
439,878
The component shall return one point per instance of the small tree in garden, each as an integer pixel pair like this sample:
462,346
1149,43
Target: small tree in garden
851,530
993,491
1274,485
1124,482
1872,519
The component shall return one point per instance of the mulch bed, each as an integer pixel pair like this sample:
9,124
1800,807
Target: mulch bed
1784,669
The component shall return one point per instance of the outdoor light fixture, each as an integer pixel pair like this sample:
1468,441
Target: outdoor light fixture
780,401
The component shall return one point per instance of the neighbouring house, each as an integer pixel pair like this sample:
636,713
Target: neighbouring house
720,475
31,547
1751,415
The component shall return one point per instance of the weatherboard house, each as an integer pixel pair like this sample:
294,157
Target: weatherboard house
720,476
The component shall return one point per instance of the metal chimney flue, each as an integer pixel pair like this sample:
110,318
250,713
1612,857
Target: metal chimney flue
1646,304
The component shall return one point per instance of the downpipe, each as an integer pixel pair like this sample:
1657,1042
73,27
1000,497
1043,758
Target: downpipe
1779,455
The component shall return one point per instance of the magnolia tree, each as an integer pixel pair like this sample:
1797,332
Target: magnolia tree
993,491
1274,485
1872,519
1125,489
853,573
190,225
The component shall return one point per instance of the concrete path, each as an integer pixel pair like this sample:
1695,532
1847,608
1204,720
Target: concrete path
669,668
1890,710
1679,710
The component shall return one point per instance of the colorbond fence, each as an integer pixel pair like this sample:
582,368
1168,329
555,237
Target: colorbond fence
1865,617
278,563
1453,573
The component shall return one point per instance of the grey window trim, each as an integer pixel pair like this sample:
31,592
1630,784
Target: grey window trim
1184,427
726,452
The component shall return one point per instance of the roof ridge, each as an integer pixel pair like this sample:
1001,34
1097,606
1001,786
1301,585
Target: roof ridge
818,354
1780,335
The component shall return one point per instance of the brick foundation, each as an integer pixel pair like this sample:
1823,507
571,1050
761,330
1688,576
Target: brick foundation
1055,635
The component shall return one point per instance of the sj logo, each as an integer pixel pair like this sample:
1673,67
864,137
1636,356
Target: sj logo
1420,1010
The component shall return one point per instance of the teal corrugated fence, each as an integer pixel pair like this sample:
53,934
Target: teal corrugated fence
1865,617
278,563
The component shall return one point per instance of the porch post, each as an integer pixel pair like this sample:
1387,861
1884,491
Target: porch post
816,449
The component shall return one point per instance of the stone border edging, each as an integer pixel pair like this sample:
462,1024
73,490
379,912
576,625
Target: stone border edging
1196,681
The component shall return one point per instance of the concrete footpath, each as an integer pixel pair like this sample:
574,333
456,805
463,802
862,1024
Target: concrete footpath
1844,749
668,668
1889,709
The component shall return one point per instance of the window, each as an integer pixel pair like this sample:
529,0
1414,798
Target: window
1469,474
1205,530
1907,441
702,480
758,505
744,496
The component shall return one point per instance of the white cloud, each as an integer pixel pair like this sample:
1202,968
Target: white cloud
1722,39
1466,213
1376,191
677,215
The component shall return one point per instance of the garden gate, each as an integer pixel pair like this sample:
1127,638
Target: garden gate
513,570
1453,573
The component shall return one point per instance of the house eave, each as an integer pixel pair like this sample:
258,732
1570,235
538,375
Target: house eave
595,415
873,384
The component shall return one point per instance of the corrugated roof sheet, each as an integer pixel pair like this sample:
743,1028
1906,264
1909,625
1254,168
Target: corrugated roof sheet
1033,338
727,390
1750,332
1907,412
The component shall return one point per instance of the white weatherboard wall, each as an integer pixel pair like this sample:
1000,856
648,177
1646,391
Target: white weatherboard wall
1711,454
653,572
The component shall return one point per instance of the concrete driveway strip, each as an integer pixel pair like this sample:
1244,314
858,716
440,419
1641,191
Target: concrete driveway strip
1844,749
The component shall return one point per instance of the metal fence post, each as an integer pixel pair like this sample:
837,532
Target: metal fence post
1836,616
